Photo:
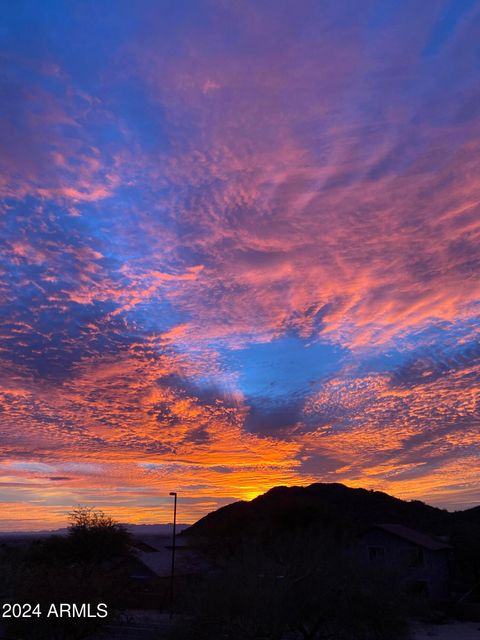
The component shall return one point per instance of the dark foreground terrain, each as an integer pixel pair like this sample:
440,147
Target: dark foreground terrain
284,566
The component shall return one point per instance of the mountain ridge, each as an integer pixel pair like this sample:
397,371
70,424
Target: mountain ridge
332,506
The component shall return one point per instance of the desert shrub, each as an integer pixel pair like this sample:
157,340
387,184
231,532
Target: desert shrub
85,566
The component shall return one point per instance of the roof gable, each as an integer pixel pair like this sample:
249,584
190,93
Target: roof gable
416,537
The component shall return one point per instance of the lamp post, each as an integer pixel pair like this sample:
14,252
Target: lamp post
172,572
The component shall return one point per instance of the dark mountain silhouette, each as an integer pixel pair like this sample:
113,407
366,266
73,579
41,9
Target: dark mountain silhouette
332,508
285,520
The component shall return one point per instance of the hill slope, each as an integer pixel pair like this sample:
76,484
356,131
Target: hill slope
332,507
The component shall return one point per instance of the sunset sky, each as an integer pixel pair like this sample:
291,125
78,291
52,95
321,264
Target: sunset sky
239,247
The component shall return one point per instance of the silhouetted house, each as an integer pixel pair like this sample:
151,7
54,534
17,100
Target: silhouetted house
155,553
421,562
150,570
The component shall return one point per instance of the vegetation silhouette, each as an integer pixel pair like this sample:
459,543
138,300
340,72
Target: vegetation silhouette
85,566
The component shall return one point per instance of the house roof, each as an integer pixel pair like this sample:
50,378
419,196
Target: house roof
418,538
139,569
155,552
144,546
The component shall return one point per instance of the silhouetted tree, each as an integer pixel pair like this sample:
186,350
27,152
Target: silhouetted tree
88,565
94,537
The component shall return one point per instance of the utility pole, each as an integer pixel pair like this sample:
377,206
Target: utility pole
172,572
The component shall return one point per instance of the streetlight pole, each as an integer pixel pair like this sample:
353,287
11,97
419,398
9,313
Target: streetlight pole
172,572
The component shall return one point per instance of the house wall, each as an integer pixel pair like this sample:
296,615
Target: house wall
434,570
